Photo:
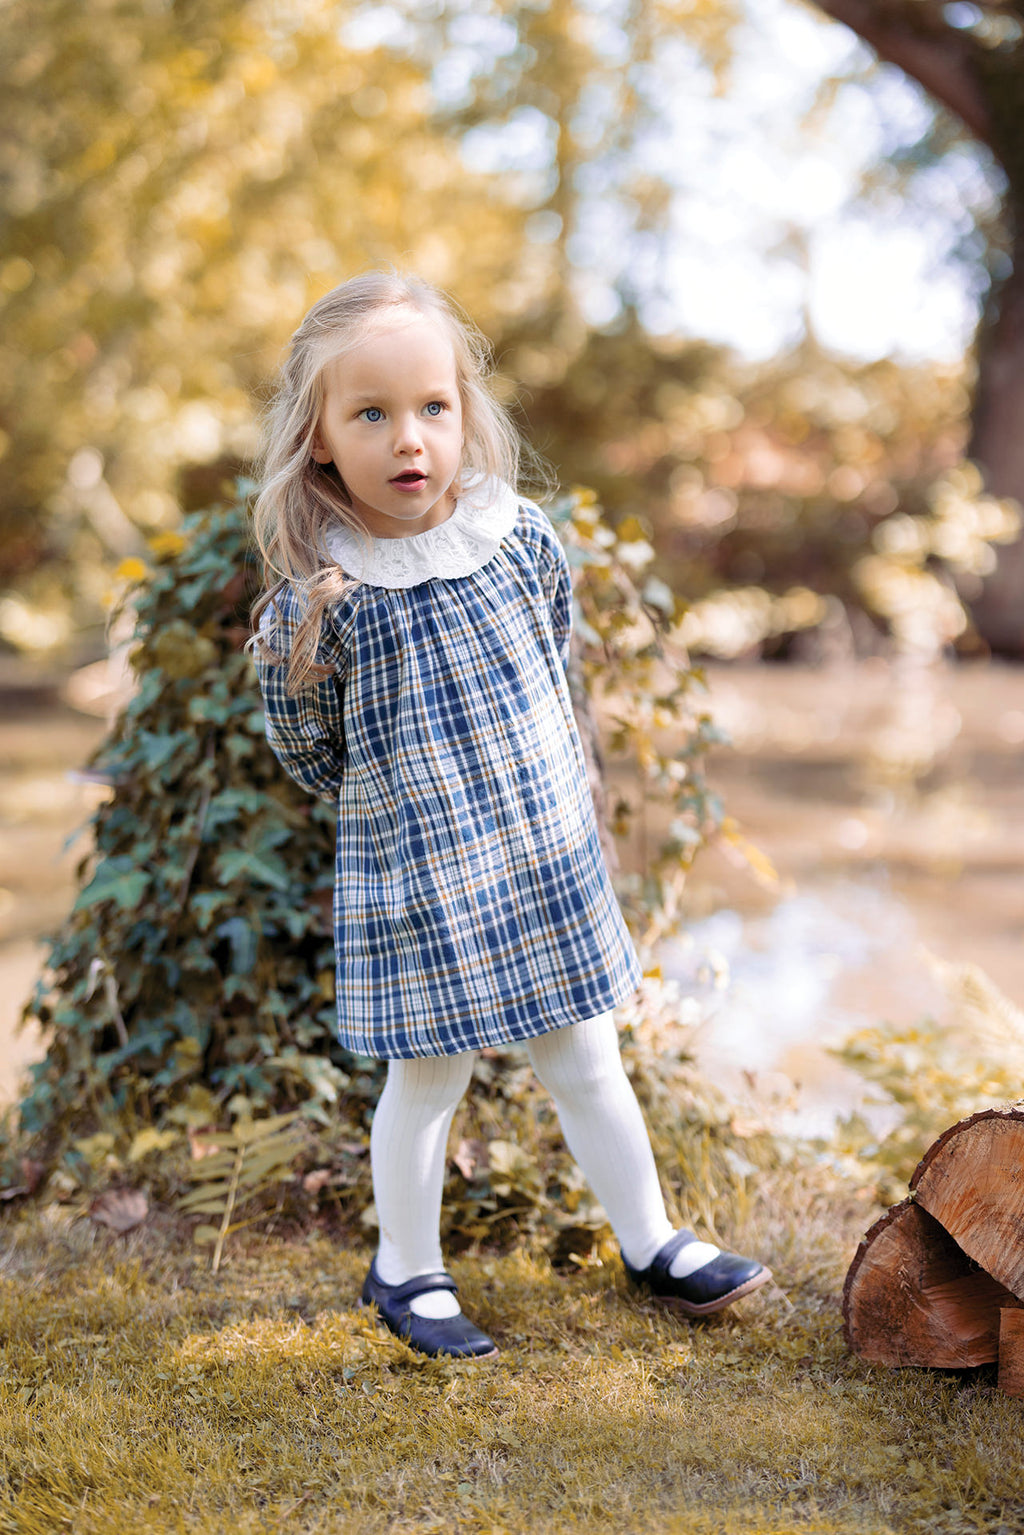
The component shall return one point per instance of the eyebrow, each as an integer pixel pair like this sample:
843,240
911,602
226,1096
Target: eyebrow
428,393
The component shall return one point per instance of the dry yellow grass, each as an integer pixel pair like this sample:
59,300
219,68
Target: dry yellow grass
140,1393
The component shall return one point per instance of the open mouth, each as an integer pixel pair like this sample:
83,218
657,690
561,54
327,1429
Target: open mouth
410,478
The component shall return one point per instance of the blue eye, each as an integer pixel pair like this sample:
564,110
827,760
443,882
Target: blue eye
435,408
372,413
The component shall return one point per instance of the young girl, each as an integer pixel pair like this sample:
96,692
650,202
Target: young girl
411,656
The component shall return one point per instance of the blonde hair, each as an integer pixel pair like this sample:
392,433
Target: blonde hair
300,499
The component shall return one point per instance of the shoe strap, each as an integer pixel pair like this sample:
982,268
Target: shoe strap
419,1286
662,1260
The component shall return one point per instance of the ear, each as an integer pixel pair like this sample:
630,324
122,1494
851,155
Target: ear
321,454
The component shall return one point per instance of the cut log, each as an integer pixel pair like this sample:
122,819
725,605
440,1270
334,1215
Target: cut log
913,1297
1011,1352
972,1181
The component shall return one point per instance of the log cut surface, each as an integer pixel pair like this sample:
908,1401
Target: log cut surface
914,1297
972,1181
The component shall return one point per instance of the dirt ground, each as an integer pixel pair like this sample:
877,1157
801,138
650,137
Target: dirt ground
889,798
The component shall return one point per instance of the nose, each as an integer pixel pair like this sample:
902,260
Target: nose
408,437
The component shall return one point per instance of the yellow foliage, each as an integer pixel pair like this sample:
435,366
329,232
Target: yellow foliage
757,861
146,1141
900,580
936,1072
132,569
166,545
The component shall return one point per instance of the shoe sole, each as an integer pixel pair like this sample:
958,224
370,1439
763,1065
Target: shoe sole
689,1308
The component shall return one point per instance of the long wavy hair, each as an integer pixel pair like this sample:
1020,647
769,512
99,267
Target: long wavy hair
299,499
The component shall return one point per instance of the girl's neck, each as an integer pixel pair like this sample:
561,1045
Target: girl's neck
386,527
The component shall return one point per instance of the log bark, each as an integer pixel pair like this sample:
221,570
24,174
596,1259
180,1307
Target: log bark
972,1182
913,1297
1011,1352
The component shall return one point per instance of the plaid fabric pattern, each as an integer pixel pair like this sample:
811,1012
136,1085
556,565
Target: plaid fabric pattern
472,903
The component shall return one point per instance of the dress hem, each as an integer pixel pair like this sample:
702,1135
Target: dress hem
499,1042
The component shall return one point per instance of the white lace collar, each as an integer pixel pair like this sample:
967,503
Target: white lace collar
484,515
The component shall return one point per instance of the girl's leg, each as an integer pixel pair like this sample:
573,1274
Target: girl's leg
604,1129
407,1152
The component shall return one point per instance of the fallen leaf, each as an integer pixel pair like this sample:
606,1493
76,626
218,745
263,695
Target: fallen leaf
120,1209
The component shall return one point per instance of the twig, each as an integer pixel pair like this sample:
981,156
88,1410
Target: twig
232,1194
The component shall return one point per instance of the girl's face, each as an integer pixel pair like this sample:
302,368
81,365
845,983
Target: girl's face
391,424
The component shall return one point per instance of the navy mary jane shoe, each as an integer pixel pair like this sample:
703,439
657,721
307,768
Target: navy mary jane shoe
453,1335
713,1286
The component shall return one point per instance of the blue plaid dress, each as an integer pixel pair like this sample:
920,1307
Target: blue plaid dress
472,903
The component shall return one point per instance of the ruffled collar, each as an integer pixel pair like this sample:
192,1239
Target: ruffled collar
484,514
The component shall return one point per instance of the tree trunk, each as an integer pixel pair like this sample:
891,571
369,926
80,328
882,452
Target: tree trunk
939,1280
997,446
984,88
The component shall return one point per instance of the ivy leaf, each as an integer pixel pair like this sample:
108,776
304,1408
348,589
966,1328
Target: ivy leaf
117,880
230,805
156,751
236,864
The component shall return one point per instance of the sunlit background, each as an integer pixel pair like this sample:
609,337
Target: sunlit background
733,268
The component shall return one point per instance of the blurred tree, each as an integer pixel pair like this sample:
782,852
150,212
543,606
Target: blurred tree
180,182
776,477
970,59
558,97
766,485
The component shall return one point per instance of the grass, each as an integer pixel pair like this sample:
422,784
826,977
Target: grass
141,1393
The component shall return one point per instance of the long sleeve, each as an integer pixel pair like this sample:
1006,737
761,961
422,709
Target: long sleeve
306,732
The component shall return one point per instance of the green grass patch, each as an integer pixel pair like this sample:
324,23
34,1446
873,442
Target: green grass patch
142,1393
